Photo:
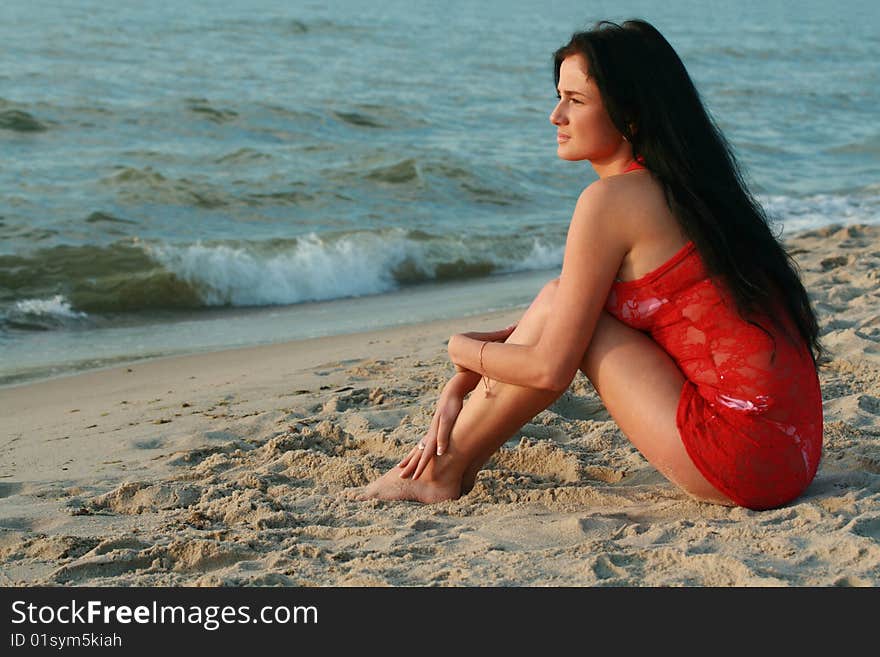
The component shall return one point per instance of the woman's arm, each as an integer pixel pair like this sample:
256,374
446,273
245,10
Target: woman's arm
596,244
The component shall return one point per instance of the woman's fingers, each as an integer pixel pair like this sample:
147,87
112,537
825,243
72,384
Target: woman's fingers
503,333
427,446
407,458
443,431
413,462
415,457
432,446
427,455
492,336
436,440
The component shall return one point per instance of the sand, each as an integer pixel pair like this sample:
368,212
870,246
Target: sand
230,469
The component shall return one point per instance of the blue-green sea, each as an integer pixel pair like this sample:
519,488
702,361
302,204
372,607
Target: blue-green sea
179,177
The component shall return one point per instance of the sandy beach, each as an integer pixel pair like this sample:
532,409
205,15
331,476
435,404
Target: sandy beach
229,469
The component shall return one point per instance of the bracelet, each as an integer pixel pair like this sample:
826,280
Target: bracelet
485,378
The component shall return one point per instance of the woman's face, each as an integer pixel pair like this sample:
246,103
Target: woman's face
584,129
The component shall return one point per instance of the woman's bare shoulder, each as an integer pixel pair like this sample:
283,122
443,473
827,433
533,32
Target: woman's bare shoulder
636,201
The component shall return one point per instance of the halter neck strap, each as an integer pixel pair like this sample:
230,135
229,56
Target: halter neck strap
638,163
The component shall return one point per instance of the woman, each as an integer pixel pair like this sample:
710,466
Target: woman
675,300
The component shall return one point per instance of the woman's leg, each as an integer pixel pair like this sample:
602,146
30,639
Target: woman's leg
637,381
640,385
484,424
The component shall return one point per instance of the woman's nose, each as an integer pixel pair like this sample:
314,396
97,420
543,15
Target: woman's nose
557,116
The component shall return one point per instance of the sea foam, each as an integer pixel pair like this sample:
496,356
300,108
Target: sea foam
57,306
320,268
313,270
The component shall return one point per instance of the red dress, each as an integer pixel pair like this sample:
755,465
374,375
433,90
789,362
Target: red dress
750,413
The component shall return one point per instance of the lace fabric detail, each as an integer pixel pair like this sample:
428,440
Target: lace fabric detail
757,384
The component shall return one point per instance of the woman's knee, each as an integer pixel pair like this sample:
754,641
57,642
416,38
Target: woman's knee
531,324
544,301
547,294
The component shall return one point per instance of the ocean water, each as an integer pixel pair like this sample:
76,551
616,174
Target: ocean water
179,177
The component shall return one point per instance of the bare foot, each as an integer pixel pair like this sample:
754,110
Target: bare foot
424,489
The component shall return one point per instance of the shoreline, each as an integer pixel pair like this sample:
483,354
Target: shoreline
295,346
224,362
228,469
56,354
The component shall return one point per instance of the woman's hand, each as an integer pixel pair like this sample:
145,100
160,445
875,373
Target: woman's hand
480,336
436,440
491,336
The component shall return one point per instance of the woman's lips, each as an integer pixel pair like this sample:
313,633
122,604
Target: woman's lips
561,138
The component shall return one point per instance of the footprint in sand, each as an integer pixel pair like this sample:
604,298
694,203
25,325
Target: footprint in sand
153,443
870,404
112,564
354,398
195,456
832,263
42,548
134,498
368,368
867,525
326,369
872,333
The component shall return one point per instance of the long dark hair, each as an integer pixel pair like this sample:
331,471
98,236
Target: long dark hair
652,101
